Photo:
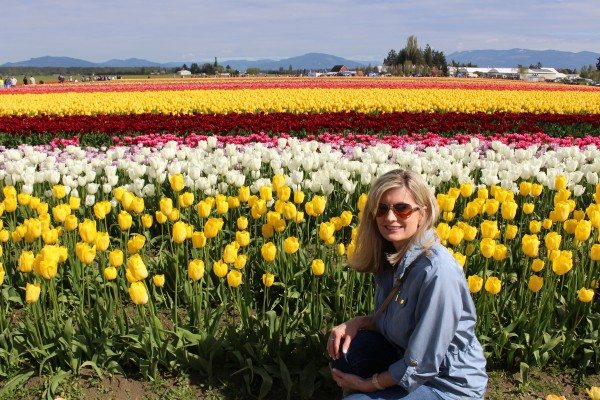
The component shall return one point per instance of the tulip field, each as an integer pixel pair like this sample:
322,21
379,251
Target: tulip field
203,225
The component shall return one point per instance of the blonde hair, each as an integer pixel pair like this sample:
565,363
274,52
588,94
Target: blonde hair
370,244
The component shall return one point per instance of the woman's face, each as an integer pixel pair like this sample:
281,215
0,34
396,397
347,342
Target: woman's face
393,227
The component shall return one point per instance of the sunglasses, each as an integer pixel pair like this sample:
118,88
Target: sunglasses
400,210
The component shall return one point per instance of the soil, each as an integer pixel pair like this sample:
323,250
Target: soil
88,386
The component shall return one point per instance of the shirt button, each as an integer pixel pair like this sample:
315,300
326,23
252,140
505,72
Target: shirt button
413,363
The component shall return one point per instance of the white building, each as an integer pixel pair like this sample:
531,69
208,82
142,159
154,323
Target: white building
184,72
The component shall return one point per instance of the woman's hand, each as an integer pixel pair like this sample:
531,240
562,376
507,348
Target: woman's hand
352,383
343,334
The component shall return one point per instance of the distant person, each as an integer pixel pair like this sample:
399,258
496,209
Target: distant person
31,80
13,82
25,81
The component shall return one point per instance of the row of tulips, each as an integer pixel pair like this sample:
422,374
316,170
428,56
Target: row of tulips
301,100
446,124
198,258
295,83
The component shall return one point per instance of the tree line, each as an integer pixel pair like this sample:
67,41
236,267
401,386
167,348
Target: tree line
415,61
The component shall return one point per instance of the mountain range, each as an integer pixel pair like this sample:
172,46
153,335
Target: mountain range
514,57
307,61
321,61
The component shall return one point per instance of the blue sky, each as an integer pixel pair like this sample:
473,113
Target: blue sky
196,30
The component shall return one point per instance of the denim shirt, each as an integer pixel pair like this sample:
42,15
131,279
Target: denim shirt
432,320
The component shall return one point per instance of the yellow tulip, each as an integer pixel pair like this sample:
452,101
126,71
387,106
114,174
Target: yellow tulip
138,293
179,233
127,200
500,252
524,188
220,268
26,261
230,253
147,221
268,279
161,218
233,202
326,230
535,226
530,245
242,238
2,273
242,223
284,193
319,203
240,261
460,258
552,240
595,252
570,225
125,220
158,280
563,263
583,230
59,191
493,285
198,239
560,182
471,210
60,212
291,245
115,258
10,204
594,391
537,265
177,182
475,283
100,209
243,194
547,223
443,231
32,292
266,193
489,229
174,216
585,295
267,231
268,251
85,253
102,241
510,232
165,205
466,189
222,207
317,267
509,210
455,235
23,199
110,273
136,269
186,199
561,212
196,269
535,283
213,227
298,196
487,247
234,278
289,211
135,243
50,236
341,249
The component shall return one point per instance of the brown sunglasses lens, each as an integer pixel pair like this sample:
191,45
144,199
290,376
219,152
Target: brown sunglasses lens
401,210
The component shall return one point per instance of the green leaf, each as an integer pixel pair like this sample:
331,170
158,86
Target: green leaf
16,382
285,376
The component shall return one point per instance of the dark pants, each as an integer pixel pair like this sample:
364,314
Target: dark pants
369,353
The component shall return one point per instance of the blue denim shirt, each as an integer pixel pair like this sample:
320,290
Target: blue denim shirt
432,320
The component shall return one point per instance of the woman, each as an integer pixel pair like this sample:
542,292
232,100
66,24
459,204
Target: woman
421,344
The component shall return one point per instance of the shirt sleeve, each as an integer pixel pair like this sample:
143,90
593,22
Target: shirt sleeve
437,314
